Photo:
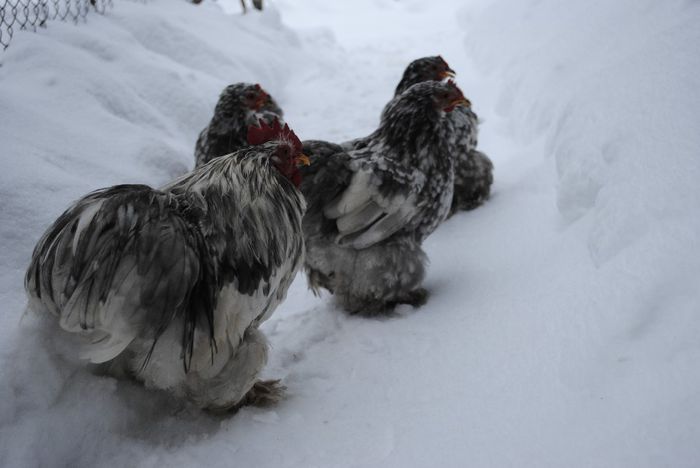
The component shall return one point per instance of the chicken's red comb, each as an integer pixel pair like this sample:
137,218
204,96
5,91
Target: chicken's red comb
452,84
260,89
264,133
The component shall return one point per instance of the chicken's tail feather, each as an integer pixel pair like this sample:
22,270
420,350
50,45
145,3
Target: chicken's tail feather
126,262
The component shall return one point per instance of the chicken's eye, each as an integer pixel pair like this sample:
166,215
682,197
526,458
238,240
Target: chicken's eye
283,152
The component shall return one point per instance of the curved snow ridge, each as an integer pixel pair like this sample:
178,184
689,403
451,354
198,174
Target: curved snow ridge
611,86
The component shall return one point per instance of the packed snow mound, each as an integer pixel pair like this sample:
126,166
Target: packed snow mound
613,89
563,319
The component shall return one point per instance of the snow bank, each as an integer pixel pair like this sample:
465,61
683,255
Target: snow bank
608,95
613,88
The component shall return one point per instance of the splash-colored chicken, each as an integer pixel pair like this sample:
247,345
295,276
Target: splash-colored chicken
370,208
473,169
240,106
169,286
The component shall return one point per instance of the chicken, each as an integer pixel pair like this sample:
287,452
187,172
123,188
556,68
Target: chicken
370,208
473,169
169,286
240,105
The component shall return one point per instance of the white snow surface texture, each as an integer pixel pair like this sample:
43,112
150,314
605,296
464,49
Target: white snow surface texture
563,327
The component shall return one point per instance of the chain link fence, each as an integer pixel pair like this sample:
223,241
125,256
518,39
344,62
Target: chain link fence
31,14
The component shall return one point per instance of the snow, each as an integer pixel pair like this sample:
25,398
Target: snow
563,323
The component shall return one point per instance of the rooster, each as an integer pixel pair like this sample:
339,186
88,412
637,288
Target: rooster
371,207
169,286
240,106
473,169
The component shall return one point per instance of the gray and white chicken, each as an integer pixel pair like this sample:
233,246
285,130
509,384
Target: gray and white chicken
473,169
169,286
370,208
240,106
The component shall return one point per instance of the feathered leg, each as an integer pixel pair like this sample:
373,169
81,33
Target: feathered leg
236,384
371,281
263,393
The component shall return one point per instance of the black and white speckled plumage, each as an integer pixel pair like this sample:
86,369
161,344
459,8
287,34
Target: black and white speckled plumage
240,105
473,169
170,285
371,207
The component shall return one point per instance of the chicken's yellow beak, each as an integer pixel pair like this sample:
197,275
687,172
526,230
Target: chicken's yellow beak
461,102
303,160
449,73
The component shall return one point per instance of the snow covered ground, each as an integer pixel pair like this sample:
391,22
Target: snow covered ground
564,323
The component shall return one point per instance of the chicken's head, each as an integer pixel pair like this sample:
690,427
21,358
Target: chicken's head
255,97
430,69
286,154
236,100
441,68
449,96
425,69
